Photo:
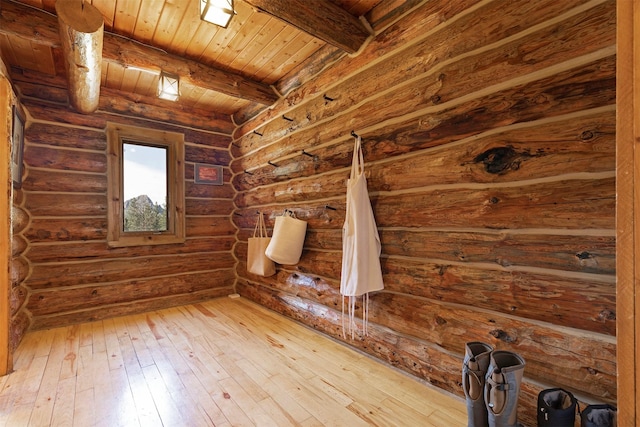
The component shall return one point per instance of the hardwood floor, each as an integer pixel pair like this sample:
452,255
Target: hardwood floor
226,362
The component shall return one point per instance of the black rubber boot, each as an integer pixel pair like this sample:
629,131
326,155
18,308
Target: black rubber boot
556,408
599,416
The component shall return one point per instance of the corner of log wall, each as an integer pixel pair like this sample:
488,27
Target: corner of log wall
491,169
20,320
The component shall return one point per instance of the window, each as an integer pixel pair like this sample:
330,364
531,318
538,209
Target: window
146,186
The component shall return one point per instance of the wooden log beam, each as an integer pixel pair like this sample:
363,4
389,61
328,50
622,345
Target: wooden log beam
87,297
551,298
49,276
51,89
128,53
321,19
125,103
556,204
579,252
39,27
104,312
81,35
80,249
440,124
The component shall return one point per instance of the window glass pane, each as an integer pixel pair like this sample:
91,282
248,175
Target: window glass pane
144,187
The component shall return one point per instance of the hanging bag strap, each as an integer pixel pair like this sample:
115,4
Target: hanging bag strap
357,168
260,227
263,226
357,163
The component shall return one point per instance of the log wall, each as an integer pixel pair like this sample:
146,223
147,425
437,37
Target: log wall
74,276
489,134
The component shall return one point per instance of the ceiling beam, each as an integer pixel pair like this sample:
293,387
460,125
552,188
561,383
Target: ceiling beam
42,28
46,89
320,18
81,33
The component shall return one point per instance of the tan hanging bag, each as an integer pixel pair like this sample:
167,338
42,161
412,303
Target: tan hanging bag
257,261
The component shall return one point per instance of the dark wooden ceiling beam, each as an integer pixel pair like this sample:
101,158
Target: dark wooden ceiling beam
319,18
42,28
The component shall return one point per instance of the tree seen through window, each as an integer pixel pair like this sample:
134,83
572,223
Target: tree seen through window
144,187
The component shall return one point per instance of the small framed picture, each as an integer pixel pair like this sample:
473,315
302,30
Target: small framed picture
17,145
208,174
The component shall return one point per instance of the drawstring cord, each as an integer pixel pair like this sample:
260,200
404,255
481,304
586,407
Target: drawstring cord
351,314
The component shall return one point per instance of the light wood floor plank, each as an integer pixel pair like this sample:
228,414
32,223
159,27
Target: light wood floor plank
112,345
98,337
192,388
142,398
321,406
277,413
63,407
135,335
121,398
85,335
292,410
225,362
170,414
45,400
84,376
166,387
456,415
12,389
18,416
103,393
84,408
69,367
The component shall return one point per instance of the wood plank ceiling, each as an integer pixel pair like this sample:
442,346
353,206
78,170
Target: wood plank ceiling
221,70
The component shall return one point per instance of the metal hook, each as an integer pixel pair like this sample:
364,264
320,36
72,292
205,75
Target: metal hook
330,208
257,133
354,134
287,118
306,154
272,164
247,172
327,98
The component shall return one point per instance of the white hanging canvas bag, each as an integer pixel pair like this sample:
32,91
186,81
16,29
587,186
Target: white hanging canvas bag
287,240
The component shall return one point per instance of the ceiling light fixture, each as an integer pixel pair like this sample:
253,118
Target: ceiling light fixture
218,12
168,86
